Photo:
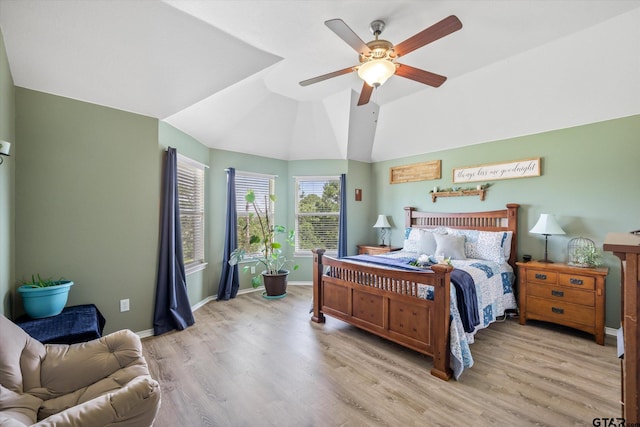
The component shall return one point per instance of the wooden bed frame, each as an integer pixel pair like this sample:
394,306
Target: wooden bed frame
384,301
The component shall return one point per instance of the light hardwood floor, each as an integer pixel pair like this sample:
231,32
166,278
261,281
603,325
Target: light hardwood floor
257,362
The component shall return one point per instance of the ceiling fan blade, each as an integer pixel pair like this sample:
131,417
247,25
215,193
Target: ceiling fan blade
326,76
421,76
343,31
365,94
438,30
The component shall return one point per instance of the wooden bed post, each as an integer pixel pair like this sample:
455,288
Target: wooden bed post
441,323
318,316
512,219
408,211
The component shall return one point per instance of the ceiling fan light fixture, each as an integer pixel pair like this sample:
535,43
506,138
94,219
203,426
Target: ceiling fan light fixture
376,72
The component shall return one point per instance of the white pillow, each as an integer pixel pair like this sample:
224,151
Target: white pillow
427,242
450,246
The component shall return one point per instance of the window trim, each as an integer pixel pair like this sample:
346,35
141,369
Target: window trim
305,252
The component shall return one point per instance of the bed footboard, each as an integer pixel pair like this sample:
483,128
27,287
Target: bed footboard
387,303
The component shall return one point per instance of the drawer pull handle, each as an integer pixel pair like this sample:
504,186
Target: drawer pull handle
541,276
557,293
574,281
557,310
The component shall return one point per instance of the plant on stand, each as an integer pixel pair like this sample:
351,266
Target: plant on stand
272,258
44,297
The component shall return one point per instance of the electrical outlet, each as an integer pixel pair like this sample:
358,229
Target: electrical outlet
253,269
124,305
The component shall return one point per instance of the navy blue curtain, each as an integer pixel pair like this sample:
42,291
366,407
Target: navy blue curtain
229,281
342,224
172,308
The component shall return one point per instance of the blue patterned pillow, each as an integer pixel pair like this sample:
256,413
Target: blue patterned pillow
411,240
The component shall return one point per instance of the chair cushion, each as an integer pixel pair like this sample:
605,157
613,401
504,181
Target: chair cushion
20,357
22,408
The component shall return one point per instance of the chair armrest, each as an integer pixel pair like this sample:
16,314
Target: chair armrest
134,405
67,368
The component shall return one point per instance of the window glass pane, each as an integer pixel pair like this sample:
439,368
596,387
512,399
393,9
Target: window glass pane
248,224
191,202
317,213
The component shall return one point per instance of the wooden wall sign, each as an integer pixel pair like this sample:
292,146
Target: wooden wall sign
515,169
415,172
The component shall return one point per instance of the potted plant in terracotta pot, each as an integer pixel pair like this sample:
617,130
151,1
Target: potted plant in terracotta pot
44,297
272,261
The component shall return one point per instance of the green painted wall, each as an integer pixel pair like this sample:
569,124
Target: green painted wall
589,181
7,183
87,202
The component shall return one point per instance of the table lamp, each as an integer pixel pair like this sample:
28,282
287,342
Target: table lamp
546,226
382,223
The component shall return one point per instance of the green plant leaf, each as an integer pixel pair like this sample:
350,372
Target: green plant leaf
250,197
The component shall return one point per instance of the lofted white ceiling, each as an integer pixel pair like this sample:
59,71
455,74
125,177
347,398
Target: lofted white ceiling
227,72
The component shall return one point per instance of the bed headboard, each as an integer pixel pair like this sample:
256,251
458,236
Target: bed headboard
501,220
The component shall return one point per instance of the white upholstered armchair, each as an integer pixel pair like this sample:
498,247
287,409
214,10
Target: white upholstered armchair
97,383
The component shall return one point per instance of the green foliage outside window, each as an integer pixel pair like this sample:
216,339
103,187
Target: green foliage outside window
318,216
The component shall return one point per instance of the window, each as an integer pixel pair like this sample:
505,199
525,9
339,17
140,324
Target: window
262,186
191,201
317,213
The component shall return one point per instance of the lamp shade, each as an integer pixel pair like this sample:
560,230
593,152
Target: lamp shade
376,72
382,222
547,225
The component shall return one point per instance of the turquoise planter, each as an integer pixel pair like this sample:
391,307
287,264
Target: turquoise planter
45,302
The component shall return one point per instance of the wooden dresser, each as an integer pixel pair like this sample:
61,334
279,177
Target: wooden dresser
376,249
560,293
627,247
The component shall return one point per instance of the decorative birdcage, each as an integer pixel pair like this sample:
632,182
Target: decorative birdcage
582,252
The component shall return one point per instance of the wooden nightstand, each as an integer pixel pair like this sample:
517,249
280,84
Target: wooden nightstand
376,249
560,293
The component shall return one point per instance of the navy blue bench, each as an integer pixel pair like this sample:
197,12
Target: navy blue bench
78,323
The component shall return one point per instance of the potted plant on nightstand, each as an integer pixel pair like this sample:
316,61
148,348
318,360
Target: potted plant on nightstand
44,297
272,258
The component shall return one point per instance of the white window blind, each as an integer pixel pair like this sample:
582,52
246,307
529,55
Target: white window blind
317,213
262,186
191,201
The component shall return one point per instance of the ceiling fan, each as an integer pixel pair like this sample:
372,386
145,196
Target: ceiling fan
377,57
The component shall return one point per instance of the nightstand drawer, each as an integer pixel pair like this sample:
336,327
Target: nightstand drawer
560,312
559,293
541,276
577,281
